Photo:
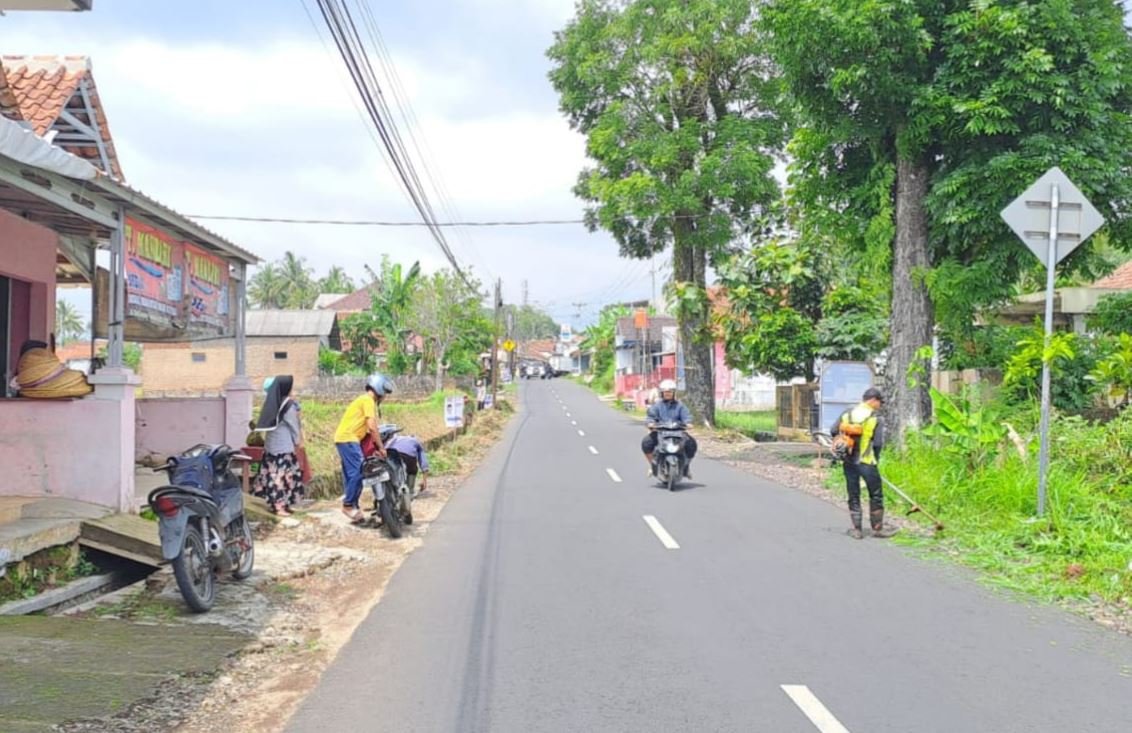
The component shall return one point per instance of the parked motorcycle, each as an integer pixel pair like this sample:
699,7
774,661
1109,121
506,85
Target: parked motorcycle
670,460
388,480
201,521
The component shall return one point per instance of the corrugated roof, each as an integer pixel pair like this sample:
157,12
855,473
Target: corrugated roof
1120,279
325,300
290,322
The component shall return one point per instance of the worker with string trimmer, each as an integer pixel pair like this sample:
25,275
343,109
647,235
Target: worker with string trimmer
858,438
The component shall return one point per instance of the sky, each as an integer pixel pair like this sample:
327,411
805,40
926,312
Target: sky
244,108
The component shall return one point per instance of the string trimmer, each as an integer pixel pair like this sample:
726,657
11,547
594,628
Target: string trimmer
824,439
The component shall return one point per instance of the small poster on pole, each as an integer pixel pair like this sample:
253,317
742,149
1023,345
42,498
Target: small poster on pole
454,411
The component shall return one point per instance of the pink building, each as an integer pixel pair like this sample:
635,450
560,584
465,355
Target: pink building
62,217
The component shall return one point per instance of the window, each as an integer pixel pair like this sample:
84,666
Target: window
280,354
198,356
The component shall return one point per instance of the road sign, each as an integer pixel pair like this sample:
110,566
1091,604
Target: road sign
1052,218
1029,216
508,345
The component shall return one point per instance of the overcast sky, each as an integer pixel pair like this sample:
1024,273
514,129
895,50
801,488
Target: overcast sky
238,108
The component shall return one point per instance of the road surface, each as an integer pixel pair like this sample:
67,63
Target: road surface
561,590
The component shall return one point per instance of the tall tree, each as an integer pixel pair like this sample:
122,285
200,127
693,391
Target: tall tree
674,98
298,278
439,314
336,281
267,288
69,325
530,323
918,120
392,298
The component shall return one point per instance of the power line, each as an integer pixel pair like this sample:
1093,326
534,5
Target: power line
336,14
378,223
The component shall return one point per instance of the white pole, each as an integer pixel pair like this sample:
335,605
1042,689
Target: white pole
116,330
1051,271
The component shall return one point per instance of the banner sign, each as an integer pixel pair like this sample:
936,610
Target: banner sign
208,291
175,291
154,275
454,411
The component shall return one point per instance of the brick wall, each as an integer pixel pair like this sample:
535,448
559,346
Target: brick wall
173,370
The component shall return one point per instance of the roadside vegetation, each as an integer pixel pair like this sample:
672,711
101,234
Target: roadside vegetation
753,424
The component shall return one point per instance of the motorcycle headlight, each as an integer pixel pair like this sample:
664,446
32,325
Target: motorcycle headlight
671,447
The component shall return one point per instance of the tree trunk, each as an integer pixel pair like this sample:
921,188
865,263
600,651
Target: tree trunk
440,350
689,264
912,316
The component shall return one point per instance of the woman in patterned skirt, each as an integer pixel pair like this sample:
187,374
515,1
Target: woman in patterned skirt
280,478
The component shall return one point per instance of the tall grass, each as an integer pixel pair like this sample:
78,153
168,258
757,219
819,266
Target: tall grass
1081,548
747,423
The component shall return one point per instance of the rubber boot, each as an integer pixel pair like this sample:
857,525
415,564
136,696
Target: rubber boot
876,519
855,531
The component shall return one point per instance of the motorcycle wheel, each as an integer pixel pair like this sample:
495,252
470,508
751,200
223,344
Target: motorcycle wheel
193,570
247,557
672,476
390,517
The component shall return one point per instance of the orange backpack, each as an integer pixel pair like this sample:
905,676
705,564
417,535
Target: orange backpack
846,439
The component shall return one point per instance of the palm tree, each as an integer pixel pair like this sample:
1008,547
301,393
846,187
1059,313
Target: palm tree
267,288
298,280
68,323
391,300
336,281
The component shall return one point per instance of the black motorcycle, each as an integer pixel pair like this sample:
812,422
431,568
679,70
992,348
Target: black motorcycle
670,460
388,480
201,521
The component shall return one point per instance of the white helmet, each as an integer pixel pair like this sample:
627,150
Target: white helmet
668,385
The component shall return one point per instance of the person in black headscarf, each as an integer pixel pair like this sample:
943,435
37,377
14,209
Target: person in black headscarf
280,478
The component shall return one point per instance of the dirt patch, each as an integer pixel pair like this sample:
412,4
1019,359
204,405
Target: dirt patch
316,580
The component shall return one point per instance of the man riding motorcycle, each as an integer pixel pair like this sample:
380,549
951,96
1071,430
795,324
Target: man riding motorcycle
668,409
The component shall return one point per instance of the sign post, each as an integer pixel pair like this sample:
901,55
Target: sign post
1052,218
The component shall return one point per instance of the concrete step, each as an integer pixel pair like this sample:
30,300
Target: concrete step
25,537
124,535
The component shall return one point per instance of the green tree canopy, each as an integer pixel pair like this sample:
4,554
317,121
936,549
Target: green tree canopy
674,98
918,120
286,283
69,325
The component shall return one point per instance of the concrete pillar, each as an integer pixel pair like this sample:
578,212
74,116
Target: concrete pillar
238,394
119,437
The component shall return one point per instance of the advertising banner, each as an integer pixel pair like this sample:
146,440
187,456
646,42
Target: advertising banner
454,411
208,292
154,276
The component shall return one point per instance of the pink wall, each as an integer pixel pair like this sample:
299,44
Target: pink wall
168,426
27,252
59,448
722,374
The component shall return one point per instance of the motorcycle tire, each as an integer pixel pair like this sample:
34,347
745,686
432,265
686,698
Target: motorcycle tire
246,560
390,517
193,570
672,478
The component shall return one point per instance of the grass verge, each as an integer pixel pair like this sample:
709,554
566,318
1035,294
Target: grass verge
748,423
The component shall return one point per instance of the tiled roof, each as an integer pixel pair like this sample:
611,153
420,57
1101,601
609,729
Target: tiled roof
36,90
356,302
1120,279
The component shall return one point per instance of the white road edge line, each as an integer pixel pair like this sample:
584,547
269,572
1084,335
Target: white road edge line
593,450
574,422
612,474
582,433
662,534
818,714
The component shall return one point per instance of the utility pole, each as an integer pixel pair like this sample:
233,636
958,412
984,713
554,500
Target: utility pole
526,294
495,345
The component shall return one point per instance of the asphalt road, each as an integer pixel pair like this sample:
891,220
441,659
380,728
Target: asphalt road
544,599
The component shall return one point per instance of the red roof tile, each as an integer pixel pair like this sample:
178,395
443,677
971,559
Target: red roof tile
1120,279
36,90
356,302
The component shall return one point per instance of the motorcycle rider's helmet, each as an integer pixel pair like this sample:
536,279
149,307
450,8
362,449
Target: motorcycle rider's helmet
668,385
380,384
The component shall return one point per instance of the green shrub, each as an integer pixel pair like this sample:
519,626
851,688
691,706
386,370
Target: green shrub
1113,314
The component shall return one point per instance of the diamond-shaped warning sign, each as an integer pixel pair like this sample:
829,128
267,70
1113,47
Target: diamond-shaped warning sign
1029,215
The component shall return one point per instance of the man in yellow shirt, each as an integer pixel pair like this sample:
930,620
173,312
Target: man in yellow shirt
861,463
359,420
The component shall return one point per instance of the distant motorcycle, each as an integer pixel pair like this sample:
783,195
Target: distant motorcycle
201,521
388,480
670,460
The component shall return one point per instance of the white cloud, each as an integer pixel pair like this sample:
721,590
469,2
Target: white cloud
268,128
